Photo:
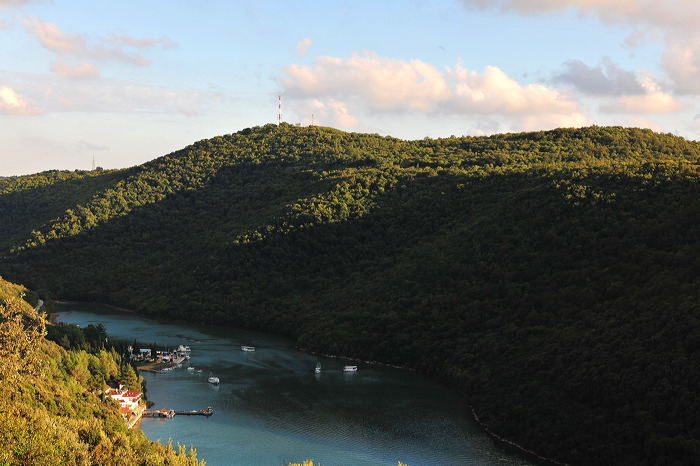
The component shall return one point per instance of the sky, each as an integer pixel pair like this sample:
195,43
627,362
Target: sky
120,83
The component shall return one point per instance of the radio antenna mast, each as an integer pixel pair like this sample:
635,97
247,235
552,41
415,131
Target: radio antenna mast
279,109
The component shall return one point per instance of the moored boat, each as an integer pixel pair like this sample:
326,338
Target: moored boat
202,412
318,368
349,368
248,348
213,379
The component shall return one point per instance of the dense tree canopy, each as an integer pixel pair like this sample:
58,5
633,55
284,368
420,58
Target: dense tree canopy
550,276
52,410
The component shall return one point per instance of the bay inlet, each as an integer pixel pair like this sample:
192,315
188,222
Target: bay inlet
272,408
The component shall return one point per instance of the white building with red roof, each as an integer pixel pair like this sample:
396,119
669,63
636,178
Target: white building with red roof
128,399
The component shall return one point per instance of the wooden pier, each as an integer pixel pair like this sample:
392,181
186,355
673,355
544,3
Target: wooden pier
170,413
159,413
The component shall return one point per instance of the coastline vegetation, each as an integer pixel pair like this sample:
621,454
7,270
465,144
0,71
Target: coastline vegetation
53,409
551,276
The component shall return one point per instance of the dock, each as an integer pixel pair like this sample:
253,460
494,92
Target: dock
170,413
162,366
135,417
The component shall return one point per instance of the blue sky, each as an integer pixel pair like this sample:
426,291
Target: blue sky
126,82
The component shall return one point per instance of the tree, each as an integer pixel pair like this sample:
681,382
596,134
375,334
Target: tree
128,377
21,329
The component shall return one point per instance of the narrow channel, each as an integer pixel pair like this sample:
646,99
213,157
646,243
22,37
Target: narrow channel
272,408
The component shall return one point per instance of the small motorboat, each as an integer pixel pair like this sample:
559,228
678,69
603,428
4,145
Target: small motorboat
318,368
190,368
213,379
349,368
248,348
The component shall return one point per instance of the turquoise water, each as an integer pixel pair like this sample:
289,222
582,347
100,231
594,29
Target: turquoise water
272,409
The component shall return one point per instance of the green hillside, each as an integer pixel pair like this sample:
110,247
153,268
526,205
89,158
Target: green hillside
552,277
52,410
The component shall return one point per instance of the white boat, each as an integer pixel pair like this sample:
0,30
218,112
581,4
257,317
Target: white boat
349,368
318,367
190,368
248,348
213,379
183,349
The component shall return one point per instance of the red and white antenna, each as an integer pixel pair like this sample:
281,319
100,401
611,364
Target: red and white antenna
279,109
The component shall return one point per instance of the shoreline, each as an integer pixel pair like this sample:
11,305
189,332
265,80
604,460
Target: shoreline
511,443
157,366
484,427
475,416
122,309
134,420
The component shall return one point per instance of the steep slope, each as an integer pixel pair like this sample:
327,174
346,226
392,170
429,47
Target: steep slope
551,276
32,201
51,411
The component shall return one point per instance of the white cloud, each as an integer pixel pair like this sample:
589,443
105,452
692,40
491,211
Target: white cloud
53,38
672,22
303,46
681,59
329,113
654,100
367,85
103,53
12,103
605,79
91,147
625,91
695,124
14,3
144,42
81,70
73,86
643,122
669,13
117,96
380,83
545,121
56,93
493,92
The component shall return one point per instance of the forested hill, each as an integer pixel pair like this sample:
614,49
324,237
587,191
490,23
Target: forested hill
552,277
52,409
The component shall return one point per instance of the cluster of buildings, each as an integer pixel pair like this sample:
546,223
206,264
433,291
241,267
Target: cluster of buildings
129,400
146,354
